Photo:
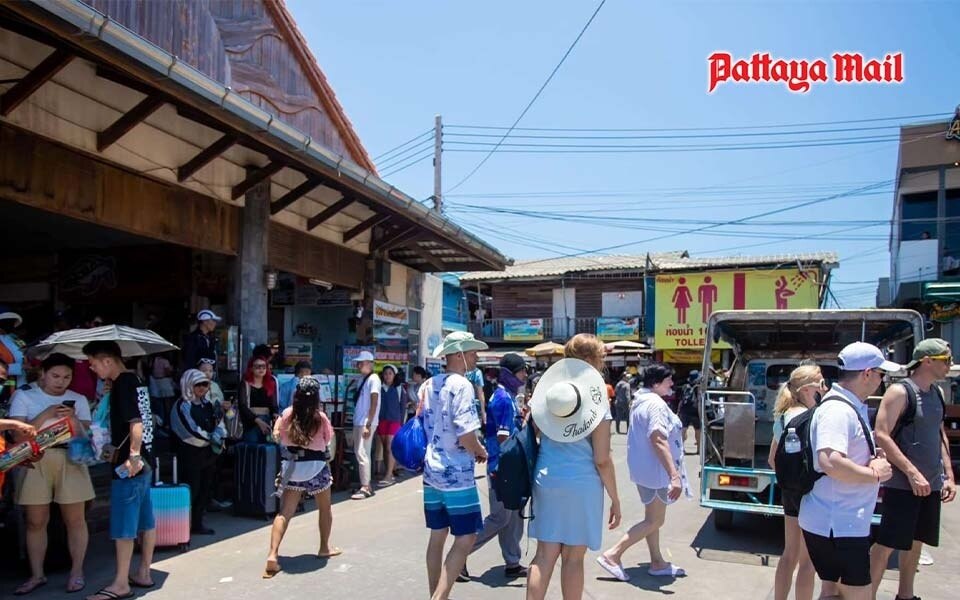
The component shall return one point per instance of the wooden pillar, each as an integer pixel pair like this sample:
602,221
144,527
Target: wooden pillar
249,302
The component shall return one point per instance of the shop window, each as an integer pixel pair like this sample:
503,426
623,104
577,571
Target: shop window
951,242
919,218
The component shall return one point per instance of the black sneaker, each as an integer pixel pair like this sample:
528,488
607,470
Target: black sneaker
515,572
464,576
202,530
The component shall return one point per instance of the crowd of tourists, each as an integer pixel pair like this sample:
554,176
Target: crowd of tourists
548,444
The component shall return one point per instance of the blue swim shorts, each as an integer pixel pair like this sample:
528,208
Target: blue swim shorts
458,510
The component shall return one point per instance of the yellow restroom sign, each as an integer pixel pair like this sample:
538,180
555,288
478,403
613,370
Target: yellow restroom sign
684,301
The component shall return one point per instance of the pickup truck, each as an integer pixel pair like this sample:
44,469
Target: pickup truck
737,417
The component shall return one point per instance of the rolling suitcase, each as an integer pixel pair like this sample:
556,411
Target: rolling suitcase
171,510
255,480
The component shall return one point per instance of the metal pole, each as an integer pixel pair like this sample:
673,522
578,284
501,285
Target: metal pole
437,151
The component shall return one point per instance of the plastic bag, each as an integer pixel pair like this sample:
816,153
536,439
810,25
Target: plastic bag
409,446
100,426
80,451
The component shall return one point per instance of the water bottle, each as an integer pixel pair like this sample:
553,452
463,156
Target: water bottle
792,443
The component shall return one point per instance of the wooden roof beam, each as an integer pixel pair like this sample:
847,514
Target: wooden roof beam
395,240
328,212
428,257
131,119
293,195
205,156
255,177
377,219
32,81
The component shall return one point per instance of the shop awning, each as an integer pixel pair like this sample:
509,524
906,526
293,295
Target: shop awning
940,291
109,92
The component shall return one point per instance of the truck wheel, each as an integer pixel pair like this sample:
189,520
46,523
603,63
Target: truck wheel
722,519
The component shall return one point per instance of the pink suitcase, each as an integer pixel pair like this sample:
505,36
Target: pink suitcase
171,510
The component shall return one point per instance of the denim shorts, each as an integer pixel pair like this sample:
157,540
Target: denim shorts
131,511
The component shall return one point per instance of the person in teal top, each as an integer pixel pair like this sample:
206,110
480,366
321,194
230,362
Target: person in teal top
574,467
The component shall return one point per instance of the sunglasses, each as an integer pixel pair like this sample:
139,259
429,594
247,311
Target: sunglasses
203,384
947,358
260,366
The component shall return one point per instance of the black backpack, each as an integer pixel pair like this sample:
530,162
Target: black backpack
795,472
515,468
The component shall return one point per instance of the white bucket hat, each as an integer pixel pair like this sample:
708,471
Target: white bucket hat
458,341
364,356
569,401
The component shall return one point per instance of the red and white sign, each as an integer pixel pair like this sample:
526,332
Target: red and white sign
800,74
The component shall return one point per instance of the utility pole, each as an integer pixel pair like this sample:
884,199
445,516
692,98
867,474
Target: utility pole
437,150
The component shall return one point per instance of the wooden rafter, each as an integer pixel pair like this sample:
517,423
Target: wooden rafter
293,195
205,156
377,219
131,119
255,177
32,81
397,238
328,212
427,256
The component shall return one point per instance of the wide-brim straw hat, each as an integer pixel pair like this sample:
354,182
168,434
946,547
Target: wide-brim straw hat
570,401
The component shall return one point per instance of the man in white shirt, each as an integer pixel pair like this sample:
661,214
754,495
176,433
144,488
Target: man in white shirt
835,516
366,416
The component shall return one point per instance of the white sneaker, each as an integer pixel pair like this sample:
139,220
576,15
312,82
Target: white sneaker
925,558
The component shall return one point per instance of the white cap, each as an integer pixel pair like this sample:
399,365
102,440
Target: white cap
363,357
860,356
207,315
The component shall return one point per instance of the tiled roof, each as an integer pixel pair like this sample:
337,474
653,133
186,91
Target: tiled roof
662,261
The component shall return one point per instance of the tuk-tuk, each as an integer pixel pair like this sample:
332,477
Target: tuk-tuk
737,418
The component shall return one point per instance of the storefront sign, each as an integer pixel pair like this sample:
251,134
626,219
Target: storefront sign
684,301
618,328
294,352
954,132
387,331
390,313
944,313
349,354
523,330
695,357
298,291
306,330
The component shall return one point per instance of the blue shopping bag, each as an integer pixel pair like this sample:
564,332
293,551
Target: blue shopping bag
409,446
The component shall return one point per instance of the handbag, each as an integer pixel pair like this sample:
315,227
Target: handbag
409,445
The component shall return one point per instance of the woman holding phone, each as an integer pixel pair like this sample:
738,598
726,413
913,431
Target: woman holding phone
53,477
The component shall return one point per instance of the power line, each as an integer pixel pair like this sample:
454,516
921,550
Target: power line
726,128
675,136
415,161
411,140
405,154
533,100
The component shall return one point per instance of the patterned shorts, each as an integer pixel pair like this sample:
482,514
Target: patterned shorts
458,510
320,482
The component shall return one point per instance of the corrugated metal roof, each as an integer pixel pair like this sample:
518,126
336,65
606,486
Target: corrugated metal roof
663,261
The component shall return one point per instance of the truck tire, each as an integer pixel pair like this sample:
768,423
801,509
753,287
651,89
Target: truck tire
722,519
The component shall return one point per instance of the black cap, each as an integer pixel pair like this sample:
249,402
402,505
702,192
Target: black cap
513,363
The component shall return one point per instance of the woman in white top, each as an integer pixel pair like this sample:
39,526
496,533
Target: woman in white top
801,393
53,477
655,458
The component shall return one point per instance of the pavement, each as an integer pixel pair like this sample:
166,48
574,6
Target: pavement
384,541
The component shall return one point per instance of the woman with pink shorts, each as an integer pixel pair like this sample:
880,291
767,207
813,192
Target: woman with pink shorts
392,411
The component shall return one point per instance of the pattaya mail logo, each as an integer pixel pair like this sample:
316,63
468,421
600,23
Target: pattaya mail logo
800,74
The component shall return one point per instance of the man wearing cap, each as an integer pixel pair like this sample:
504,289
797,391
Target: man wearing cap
200,343
451,503
835,516
366,415
910,431
503,418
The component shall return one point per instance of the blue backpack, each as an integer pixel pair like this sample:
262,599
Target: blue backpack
516,467
409,446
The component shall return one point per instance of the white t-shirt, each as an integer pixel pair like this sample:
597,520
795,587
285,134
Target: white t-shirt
448,413
27,404
843,508
371,386
650,414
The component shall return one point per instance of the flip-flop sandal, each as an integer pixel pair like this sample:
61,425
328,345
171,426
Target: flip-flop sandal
142,585
269,572
362,495
386,482
613,568
333,552
30,586
76,584
105,593
671,571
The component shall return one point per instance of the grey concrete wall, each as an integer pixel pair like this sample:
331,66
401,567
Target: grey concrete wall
250,288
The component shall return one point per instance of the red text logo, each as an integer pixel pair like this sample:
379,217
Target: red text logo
799,75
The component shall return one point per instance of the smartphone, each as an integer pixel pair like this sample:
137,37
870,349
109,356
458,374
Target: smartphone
69,403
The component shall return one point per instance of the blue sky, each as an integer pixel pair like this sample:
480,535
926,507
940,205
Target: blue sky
394,65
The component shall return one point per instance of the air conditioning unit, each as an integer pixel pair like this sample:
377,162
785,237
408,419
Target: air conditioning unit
381,272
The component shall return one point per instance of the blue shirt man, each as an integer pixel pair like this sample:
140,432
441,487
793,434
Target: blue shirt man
503,418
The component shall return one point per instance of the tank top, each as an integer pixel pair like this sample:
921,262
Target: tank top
920,441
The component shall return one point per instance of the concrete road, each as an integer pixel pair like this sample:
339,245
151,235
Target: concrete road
384,541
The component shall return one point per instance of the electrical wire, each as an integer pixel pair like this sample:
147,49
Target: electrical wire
532,100
404,155
726,128
411,140
677,136
409,164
